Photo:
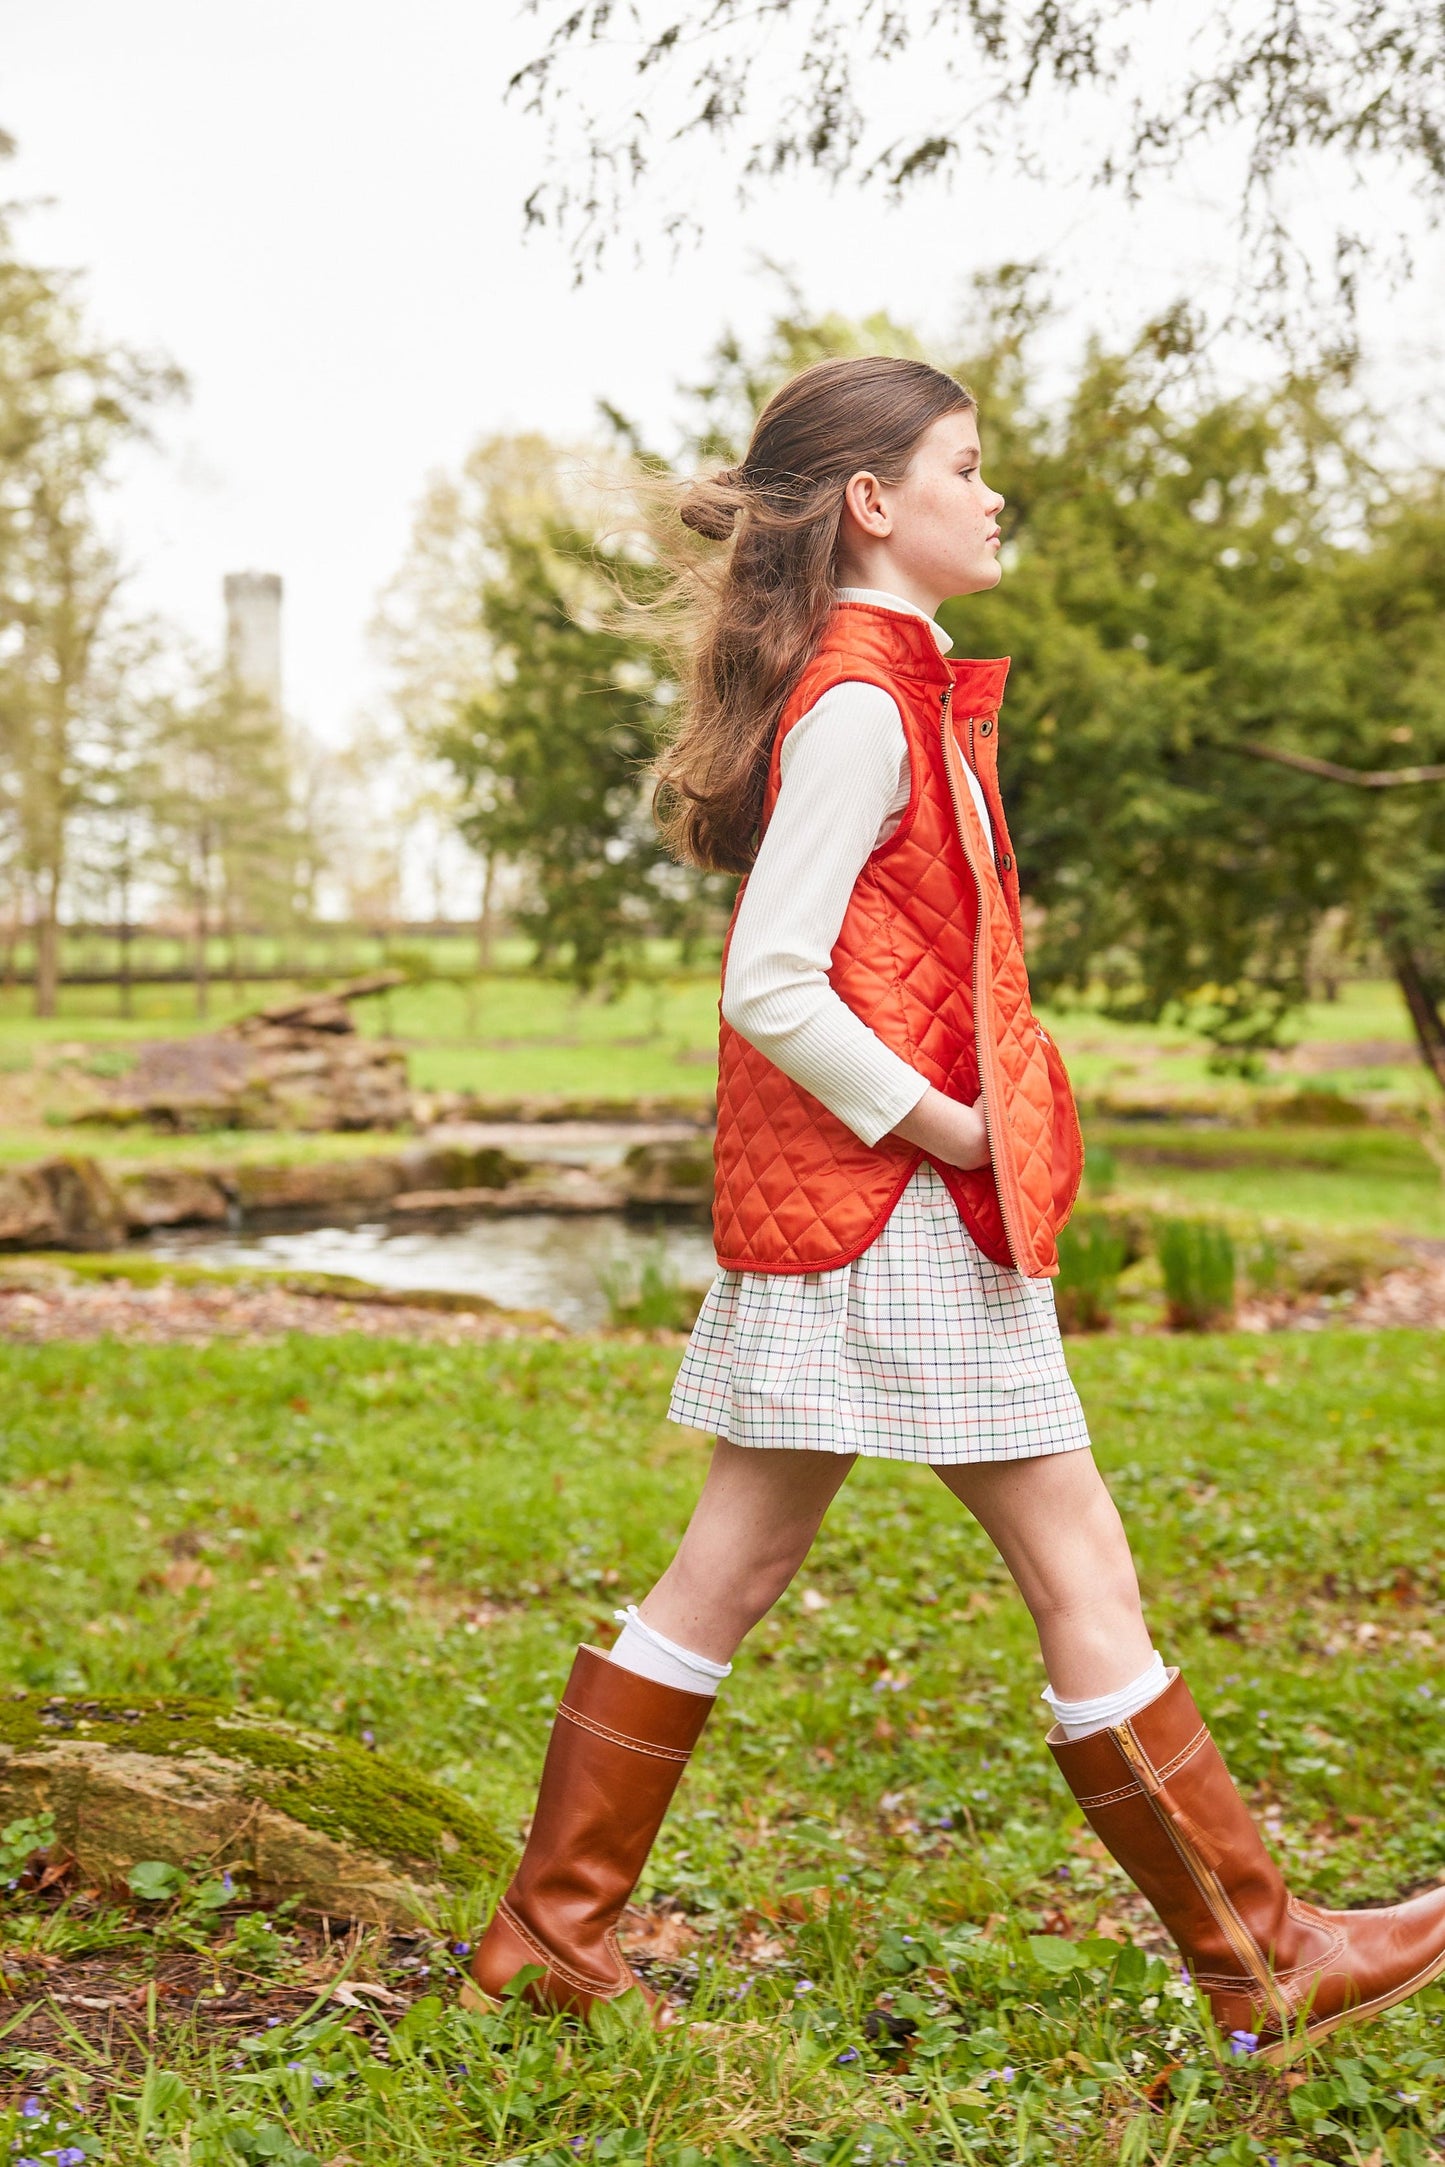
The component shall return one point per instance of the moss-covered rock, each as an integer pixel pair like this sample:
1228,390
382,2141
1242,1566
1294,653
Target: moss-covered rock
298,1813
671,1173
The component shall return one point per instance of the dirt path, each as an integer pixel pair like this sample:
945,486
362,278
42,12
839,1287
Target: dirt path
57,1307
47,1304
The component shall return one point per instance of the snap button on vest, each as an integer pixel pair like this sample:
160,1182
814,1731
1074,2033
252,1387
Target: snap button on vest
930,956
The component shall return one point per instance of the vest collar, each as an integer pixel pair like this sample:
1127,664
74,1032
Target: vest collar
893,641
881,599
897,641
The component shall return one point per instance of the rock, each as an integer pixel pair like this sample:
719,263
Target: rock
670,1173
460,1165
549,1188
62,1203
302,1080
458,1106
324,1011
295,1813
173,1196
591,1143
323,1186
27,1215
297,1065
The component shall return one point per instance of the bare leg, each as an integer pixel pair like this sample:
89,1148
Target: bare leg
750,1531
1058,1531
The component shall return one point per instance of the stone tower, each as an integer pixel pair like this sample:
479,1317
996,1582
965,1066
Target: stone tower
253,634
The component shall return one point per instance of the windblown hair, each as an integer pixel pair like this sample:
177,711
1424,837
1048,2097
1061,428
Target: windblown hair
753,619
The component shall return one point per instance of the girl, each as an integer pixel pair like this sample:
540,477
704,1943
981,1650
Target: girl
896,1151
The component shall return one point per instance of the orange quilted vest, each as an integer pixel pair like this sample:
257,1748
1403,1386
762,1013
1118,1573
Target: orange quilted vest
930,955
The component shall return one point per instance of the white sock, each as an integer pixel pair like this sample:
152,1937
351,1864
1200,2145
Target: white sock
1080,1718
638,1648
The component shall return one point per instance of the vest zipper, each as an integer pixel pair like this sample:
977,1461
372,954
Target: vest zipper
997,1143
1210,1887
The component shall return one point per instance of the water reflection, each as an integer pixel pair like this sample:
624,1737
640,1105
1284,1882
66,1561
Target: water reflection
536,1260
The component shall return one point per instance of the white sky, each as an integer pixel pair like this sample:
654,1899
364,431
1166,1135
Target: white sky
314,206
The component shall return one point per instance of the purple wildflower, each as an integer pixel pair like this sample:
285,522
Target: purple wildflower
271,2023
802,1986
461,1948
1006,2074
32,2110
26,2161
70,2155
228,1884
368,1738
1243,2042
849,2054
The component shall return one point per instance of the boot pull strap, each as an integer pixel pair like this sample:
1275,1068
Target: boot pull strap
1203,1858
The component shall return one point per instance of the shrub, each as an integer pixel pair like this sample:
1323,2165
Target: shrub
1314,1106
1263,1265
1091,1256
650,1299
1196,1257
1101,1170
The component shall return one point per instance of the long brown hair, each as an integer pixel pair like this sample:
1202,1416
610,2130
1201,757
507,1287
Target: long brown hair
753,618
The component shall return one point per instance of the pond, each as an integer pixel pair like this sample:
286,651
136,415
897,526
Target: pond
532,1260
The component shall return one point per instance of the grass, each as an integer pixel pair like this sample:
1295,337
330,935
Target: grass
511,1032
1341,1202
519,1034
125,1148
514,1035
409,1541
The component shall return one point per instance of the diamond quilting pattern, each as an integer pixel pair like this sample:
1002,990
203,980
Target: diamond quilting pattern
795,1189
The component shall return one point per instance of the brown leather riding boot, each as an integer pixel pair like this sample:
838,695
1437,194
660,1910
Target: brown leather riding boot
617,1752
1157,1792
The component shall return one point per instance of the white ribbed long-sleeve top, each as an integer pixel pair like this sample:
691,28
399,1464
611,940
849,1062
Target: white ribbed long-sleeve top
843,789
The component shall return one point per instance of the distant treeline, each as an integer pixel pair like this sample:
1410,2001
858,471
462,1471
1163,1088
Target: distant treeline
1223,751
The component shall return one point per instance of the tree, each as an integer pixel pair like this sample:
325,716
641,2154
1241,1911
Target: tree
1110,91
1193,578
67,405
514,666
120,786
1382,614
554,754
429,629
226,818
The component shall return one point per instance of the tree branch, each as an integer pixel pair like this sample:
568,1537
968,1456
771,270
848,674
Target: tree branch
1329,771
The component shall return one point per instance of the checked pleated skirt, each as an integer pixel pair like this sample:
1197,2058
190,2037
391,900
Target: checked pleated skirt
920,1349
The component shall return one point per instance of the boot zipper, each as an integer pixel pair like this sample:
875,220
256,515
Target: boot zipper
1206,1880
996,1142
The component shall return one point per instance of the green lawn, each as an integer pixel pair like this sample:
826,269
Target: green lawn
409,1541
1379,1180
513,1032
